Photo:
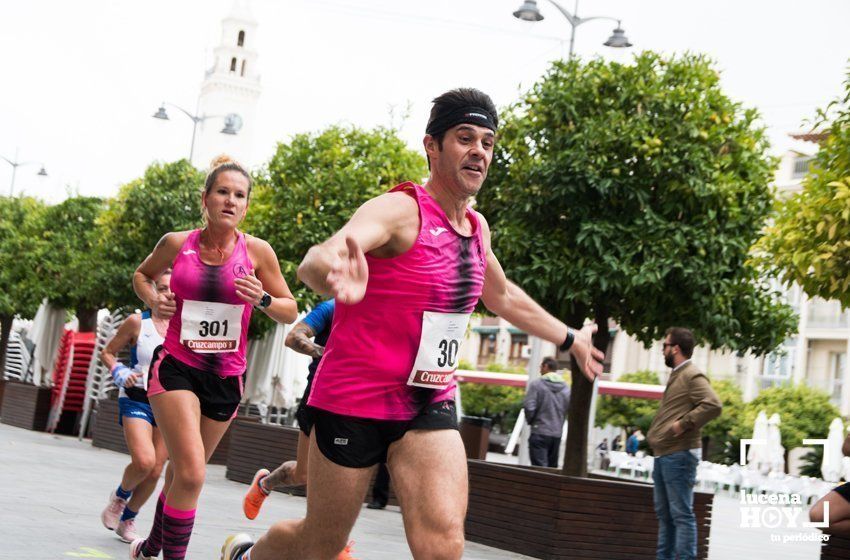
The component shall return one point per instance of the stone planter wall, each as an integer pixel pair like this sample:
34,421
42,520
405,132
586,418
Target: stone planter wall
552,516
25,406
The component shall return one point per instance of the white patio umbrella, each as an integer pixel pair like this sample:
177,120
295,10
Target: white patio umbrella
775,451
264,362
45,334
832,465
757,453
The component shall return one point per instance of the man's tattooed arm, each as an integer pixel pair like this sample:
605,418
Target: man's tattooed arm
299,340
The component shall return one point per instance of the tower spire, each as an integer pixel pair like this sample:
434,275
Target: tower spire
231,86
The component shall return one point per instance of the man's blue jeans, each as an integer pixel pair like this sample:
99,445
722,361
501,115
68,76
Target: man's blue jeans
674,476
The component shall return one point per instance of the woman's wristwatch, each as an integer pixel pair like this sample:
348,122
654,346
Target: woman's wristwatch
265,301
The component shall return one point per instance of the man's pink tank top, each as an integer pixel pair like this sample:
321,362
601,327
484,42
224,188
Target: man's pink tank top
209,330
373,344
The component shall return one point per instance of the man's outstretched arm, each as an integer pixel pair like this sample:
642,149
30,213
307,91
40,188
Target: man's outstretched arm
509,301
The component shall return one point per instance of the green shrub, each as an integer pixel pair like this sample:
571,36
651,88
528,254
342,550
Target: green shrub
499,403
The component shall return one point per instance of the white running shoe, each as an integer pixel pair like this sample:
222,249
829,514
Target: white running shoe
126,530
235,546
112,512
135,553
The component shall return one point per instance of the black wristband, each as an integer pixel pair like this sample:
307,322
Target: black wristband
568,343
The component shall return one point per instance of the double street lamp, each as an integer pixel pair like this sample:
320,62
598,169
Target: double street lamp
530,12
16,164
232,122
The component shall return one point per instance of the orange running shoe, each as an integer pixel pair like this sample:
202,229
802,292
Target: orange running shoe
346,552
255,496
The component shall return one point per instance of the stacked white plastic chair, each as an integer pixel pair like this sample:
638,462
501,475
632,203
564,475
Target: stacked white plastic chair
17,358
99,382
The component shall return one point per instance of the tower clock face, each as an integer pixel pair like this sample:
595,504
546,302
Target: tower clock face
234,121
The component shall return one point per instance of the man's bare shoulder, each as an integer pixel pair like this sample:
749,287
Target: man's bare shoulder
398,203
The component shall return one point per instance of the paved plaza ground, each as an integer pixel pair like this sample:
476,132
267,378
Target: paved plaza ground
52,489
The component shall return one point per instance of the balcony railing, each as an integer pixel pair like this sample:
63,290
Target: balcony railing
828,315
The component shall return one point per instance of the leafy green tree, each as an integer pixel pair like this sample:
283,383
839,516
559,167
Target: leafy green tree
75,266
317,180
809,242
22,289
634,192
166,198
627,411
804,413
723,446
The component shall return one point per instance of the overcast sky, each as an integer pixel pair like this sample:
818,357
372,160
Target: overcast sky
81,79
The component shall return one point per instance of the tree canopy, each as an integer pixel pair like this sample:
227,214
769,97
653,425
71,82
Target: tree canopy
20,270
74,262
21,286
315,182
635,192
166,198
809,242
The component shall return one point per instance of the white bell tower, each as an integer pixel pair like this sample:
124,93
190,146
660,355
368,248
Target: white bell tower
230,89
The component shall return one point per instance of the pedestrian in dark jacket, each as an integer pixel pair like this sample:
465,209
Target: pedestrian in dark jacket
546,404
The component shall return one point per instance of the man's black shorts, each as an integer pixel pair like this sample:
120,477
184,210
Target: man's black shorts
843,491
305,414
355,442
219,396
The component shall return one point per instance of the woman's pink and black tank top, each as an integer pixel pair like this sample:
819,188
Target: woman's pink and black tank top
209,330
395,352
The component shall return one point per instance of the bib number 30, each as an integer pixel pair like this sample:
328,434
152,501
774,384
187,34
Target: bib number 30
439,346
448,353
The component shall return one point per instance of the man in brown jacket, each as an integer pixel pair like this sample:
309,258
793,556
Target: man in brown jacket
674,436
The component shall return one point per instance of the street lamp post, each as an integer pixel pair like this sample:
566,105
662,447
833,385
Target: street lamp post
530,12
232,122
16,164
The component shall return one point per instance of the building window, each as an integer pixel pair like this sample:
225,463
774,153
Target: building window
487,348
240,41
233,64
778,366
837,366
827,315
519,341
801,166
242,72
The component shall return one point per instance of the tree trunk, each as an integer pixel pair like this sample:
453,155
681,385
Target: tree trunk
575,455
87,319
5,331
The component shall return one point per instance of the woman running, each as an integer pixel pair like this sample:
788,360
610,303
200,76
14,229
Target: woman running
219,275
143,333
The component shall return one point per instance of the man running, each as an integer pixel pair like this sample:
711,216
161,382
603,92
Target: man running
308,337
406,271
316,326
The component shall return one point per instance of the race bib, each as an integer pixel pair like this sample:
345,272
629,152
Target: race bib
210,328
436,360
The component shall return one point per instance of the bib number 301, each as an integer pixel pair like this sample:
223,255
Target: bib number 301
439,345
209,327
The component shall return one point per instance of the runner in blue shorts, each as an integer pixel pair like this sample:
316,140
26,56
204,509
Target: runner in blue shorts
143,332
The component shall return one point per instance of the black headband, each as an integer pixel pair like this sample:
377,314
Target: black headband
462,115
